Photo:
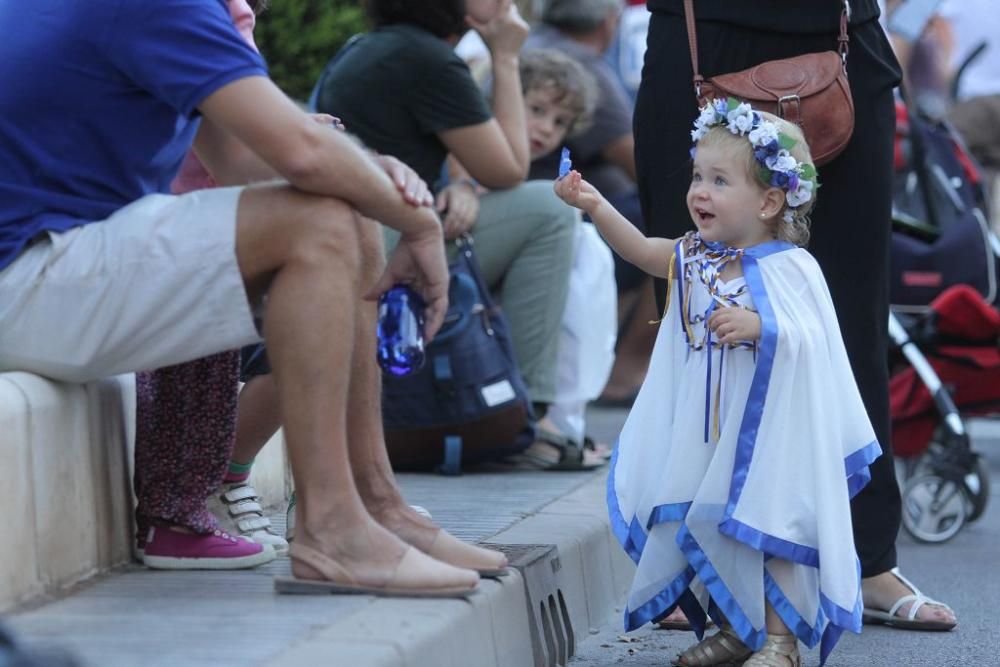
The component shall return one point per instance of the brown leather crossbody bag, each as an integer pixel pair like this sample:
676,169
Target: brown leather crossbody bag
810,90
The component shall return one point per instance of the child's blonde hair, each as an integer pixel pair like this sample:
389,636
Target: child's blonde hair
797,230
573,86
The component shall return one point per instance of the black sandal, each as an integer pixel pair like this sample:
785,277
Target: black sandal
571,456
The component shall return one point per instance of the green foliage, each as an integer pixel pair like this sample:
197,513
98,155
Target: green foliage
298,37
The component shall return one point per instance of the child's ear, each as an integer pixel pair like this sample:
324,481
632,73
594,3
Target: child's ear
771,203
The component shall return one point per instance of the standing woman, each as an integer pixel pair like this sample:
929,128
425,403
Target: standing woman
856,205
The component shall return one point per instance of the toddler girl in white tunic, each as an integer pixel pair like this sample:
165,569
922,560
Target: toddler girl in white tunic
731,483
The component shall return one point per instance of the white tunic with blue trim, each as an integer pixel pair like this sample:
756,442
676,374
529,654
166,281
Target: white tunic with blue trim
734,471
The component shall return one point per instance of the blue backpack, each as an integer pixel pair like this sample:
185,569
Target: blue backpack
469,402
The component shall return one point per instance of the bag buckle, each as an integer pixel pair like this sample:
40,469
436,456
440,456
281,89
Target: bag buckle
798,107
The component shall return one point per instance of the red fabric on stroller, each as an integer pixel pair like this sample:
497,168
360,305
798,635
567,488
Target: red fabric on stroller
967,360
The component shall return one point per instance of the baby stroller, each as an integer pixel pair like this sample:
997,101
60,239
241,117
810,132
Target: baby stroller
944,325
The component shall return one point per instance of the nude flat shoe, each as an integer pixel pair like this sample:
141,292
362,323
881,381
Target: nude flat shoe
449,549
417,575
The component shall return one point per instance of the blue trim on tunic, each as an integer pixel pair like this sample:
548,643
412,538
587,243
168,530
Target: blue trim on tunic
856,466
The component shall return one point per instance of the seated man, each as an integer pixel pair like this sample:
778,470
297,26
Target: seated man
100,273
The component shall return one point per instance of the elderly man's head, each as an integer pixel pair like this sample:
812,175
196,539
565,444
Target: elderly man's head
582,16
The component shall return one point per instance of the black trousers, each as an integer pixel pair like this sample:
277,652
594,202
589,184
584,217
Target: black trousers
850,224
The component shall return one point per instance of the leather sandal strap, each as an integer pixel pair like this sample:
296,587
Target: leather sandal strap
722,647
778,651
329,568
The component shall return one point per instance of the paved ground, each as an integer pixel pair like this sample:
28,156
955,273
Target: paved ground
963,573
137,617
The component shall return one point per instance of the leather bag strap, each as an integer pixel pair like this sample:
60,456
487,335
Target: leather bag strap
842,41
693,45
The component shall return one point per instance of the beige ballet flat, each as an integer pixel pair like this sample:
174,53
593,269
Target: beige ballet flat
778,651
416,575
449,549
722,648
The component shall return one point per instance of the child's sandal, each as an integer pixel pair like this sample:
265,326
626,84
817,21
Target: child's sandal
778,651
722,648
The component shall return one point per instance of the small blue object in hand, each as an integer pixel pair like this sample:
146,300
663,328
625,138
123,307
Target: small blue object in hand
565,164
400,331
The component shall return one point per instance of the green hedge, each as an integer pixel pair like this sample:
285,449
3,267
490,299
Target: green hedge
298,37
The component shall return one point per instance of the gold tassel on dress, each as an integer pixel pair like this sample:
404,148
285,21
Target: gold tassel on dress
671,276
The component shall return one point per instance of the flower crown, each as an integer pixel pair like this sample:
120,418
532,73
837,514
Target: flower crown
770,148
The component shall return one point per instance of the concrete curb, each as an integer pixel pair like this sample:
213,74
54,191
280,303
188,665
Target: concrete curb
492,628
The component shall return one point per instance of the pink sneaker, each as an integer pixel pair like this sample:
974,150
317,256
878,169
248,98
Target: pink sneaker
172,550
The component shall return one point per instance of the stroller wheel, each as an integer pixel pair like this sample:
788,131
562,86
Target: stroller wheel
977,488
934,508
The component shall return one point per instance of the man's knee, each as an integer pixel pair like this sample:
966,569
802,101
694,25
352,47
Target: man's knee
326,229
279,225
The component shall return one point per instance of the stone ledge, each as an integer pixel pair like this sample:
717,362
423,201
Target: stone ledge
67,481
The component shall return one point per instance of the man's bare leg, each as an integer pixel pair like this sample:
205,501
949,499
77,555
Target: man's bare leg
309,267
366,440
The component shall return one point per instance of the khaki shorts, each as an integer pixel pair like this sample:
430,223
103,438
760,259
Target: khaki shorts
155,284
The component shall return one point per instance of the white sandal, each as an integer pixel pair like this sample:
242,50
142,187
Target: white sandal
910,621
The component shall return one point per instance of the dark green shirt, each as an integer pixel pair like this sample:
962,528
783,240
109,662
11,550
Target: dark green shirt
397,87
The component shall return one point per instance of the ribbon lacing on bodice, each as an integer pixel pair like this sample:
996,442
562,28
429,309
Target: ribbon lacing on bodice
705,261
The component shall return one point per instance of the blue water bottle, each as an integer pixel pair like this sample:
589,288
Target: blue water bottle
400,331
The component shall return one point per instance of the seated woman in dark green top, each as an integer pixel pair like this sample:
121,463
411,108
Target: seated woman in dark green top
403,91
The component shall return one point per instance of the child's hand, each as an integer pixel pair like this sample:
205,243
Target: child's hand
732,325
577,192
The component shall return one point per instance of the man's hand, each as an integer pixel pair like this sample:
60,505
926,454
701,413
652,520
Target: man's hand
327,119
459,204
419,261
412,187
732,325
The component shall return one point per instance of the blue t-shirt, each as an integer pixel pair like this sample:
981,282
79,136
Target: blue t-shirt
98,103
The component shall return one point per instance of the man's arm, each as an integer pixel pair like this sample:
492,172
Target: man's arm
229,160
310,156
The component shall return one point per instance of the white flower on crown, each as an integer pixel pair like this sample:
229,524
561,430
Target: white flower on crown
763,134
707,116
801,194
783,161
740,120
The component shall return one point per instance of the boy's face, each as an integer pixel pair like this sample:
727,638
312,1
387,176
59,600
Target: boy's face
548,121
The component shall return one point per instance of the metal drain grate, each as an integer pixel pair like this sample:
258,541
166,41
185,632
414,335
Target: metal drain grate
553,641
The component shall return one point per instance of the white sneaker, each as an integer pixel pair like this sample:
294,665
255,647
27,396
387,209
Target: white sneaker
239,511
290,516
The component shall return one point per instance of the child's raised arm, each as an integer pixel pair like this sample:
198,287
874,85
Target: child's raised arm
652,255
